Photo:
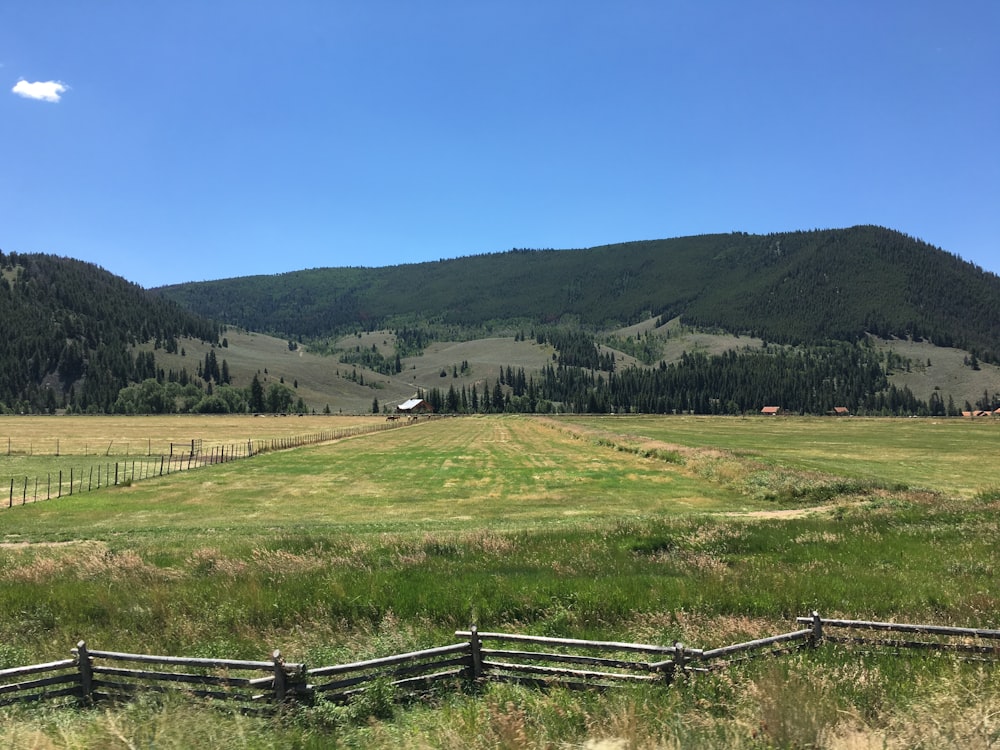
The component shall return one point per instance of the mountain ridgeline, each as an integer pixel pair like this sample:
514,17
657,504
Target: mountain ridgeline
612,329
793,288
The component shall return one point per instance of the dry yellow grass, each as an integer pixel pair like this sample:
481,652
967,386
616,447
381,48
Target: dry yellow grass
140,436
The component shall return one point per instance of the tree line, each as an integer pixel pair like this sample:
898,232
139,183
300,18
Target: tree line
804,380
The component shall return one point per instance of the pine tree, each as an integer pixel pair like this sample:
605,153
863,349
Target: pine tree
256,395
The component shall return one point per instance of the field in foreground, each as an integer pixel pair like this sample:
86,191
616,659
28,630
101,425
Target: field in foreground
652,530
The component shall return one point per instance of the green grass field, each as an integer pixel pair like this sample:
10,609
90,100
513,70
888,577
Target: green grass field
706,531
944,455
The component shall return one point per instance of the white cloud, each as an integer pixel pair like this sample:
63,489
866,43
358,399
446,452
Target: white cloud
47,91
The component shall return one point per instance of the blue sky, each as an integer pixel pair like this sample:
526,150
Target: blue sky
184,141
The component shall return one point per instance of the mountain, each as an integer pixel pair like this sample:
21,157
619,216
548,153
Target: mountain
864,318
68,331
795,287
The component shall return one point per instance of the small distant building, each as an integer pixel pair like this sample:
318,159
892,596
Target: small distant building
840,411
771,411
414,406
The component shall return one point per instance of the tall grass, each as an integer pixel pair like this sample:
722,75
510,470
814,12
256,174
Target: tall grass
928,562
798,702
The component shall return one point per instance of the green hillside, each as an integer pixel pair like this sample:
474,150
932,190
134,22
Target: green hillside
865,318
68,326
796,287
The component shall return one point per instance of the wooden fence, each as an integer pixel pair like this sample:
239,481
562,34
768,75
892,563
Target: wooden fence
91,675
74,480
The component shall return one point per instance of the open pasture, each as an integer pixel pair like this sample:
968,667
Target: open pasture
450,474
35,450
604,528
952,456
49,436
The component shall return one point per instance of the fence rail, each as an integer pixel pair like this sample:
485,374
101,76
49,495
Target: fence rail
76,479
427,666
935,637
93,675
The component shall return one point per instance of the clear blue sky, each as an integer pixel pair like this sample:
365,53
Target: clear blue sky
181,141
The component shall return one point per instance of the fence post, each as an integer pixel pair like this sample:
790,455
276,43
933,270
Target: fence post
86,669
817,629
680,658
476,647
280,677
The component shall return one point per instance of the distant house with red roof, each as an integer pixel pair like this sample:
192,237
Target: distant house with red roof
771,411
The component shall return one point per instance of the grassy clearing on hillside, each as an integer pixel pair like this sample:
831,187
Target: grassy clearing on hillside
940,369
384,543
322,381
325,381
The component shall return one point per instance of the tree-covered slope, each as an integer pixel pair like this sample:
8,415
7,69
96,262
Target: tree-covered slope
811,286
71,330
68,327
790,287
597,286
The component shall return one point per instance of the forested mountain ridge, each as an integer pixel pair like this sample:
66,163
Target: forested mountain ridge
794,287
721,324
68,329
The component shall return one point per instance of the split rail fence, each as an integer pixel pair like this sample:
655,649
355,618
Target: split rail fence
92,675
182,457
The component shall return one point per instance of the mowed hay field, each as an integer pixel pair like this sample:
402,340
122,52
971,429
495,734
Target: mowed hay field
140,436
945,455
650,530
